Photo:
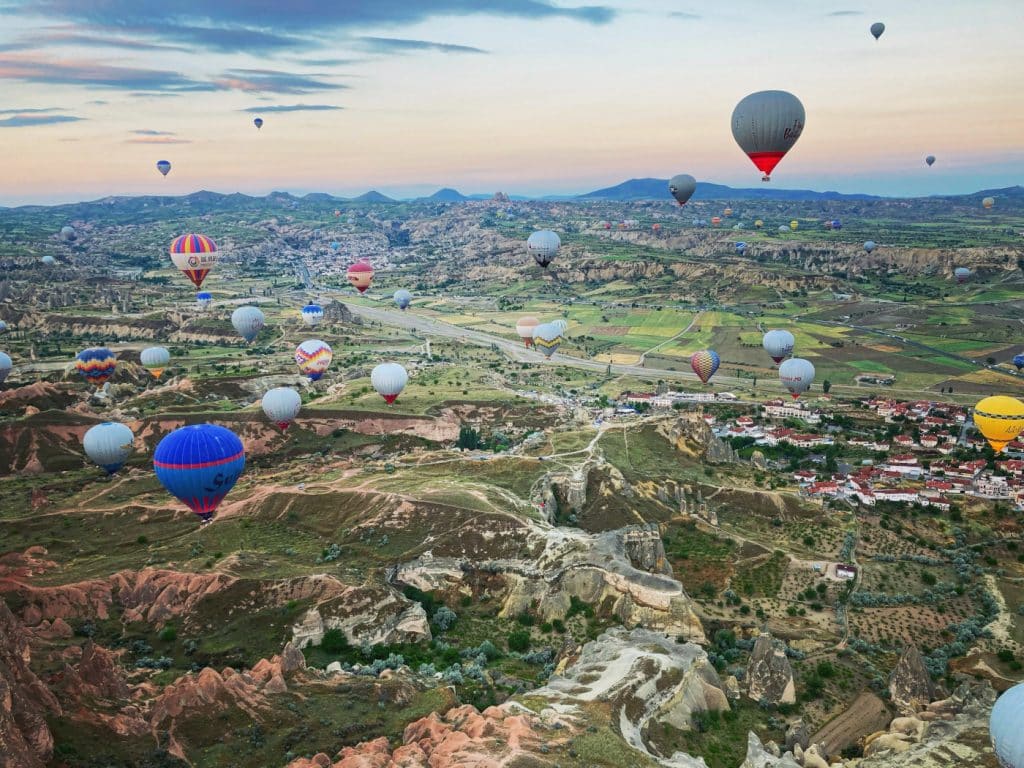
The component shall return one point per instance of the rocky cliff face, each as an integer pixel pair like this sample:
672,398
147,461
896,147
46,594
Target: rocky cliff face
691,435
25,739
910,685
366,614
769,673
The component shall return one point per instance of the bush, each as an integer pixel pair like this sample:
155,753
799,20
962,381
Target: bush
519,641
825,669
168,634
559,625
577,606
444,618
334,641
525,619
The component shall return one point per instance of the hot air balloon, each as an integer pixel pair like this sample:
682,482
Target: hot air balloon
783,228
705,363
869,246
525,327
828,225
682,187
204,299
778,345
163,166
741,248
758,224
561,324
313,357
312,314
48,260
1004,725
195,256
988,202
282,405
335,245
68,234
1018,360
402,299
716,220
836,224
337,214
543,246
6,364
877,29
794,225
796,375
248,321
360,275
727,212
96,364
155,359
656,228
547,338
109,445
258,122
766,125
199,464
999,419
962,274
3,327
930,160
389,379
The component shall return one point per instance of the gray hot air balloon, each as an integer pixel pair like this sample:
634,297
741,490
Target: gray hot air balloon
5,366
778,345
3,326
766,125
783,228
248,321
877,29
48,260
68,234
796,375
389,379
1004,725
282,405
962,274
930,160
543,245
155,359
869,246
402,298
547,338
682,187
109,445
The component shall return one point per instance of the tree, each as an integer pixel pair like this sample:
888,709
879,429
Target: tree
469,438
826,385
519,640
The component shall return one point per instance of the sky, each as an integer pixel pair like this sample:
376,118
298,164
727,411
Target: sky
524,96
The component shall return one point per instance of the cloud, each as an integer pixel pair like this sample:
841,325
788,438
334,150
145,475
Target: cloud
399,45
151,132
293,108
34,67
271,81
157,140
27,120
29,111
685,15
97,41
327,62
845,13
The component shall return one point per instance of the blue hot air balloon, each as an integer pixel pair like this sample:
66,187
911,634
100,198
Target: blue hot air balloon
204,299
312,314
163,166
258,122
403,298
1018,360
836,224
741,248
199,464
335,245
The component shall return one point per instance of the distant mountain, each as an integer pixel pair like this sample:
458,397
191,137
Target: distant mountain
322,197
447,195
657,189
373,196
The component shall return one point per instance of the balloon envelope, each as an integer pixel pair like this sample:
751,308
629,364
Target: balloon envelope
758,224
312,314
961,274
195,256
682,187
96,364
794,225
248,321
999,419
204,299
109,445
163,166
704,363
988,202
360,275
1018,360
389,379
766,125
547,338
313,357
282,405
543,245
68,234
930,160
258,122
741,248
877,29
1004,725
48,260
199,464
778,344
869,246
796,375
525,327
6,364
837,224
402,298
155,359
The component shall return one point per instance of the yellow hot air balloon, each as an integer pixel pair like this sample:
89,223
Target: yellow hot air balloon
988,202
794,225
999,419
758,224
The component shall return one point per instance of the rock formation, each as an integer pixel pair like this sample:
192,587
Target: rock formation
366,614
691,435
910,685
769,675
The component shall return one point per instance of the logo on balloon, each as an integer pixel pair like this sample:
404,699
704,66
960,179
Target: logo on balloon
793,132
193,261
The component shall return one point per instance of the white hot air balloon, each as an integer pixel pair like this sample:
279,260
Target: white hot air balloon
402,299
561,324
869,246
543,245
109,445
155,359
1004,725
682,187
5,366
766,125
389,379
796,375
778,345
312,314
248,321
282,405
